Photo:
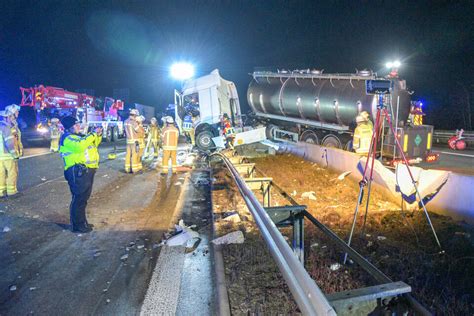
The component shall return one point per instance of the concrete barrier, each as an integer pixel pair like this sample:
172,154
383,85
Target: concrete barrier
452,193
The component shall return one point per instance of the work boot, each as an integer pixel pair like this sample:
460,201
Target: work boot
15,196
82,230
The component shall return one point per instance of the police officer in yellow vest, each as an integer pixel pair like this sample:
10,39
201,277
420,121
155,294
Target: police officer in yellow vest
8,158
55,134
81,160
155,135
131,131
169,135
362,136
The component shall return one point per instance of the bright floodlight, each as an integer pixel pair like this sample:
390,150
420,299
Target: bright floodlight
397,64
389,64
182,71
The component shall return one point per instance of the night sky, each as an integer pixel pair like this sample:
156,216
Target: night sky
103,45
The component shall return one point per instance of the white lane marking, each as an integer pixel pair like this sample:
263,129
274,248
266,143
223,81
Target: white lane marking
36,155
456,154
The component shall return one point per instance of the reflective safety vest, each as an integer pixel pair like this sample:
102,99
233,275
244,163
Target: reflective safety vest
17,138
7,143
155,132
78,149
141,136
362,137
169,136
131,130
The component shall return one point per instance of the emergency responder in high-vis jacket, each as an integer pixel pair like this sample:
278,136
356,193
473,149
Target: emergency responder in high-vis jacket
131,130
55,134
228,131
188,128
155,136
8,158
169,136
141,140
13,111
362,136
81,160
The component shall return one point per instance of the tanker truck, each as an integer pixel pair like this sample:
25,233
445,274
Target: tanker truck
308,106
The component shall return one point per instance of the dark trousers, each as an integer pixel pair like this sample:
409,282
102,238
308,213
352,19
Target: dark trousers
80,180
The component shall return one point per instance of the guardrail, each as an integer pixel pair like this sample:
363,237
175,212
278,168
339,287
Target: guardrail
307,294
442,136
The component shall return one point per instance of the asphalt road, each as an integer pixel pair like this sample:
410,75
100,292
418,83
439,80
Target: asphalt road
452,160
47,270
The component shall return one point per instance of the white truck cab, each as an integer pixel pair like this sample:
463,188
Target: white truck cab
202,102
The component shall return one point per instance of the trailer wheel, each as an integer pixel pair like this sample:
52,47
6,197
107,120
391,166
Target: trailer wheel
331,141
348,145
109,135
270,131
115,134
204,140
310,137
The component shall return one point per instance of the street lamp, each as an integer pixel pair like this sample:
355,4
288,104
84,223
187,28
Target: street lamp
182,71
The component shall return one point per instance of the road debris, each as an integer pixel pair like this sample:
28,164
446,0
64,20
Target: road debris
309,195
234,218
124,257
381,237
13,288
236,237
335,266
343,175
6,229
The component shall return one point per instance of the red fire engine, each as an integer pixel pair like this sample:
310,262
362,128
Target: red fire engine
49,102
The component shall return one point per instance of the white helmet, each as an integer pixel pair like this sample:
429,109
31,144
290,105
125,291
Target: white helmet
169,120
134,112
153,120
12,109
54,120
3,113
140,118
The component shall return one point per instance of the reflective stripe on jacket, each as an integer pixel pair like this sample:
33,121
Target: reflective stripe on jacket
169,137
77,149
131,130
7,142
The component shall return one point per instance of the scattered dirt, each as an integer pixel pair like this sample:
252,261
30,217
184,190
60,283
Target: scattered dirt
399,243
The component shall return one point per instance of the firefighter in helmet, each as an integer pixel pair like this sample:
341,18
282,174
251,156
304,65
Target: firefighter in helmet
141,140
362,136
8,157
169,136
155,136
366,116
416,114
55,134
131,131
13,111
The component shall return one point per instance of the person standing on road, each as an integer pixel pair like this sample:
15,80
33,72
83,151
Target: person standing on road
131,130
169,135
81,160
55,134
155,134
141,141
8,158
13,112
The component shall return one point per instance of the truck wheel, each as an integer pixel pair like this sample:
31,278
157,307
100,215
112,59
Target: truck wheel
204,140
115,134
108,135
348,145
331,141
270,131
310,137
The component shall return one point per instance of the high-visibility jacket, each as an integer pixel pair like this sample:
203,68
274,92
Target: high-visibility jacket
54,131
141,136
362,137
169,136
7,142
155,132
79,149
131,130
15,129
